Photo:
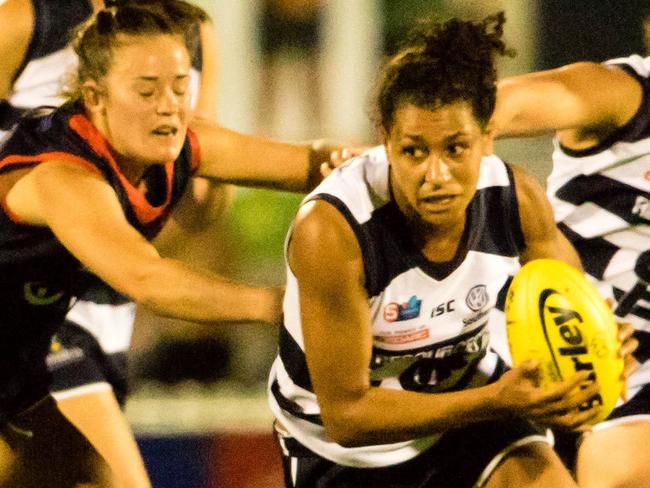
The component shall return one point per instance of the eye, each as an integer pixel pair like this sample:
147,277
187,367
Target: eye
181,86
414,152
146,94
457,148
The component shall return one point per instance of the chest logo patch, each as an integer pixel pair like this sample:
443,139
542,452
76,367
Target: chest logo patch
396,312
477,297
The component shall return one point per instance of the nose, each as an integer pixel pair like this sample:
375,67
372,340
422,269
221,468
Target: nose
168,102
437,171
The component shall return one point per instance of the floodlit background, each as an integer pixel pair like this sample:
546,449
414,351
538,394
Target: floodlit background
296,70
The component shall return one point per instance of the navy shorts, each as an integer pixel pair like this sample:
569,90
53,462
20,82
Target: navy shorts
77,360
458,460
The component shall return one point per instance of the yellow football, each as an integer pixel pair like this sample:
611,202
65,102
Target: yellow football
556,316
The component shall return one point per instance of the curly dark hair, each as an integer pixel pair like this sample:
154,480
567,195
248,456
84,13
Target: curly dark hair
442,63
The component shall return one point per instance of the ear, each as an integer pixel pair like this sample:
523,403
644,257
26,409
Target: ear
385,136
93,97
488,139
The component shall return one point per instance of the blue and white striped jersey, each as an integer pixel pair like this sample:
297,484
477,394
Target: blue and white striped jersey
429,320
601,200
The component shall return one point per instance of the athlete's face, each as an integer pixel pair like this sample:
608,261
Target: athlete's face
434,158
143,101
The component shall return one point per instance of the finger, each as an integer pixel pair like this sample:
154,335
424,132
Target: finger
563,389
625,331
628,347
529,370
574,400
575,419
631,365
325,169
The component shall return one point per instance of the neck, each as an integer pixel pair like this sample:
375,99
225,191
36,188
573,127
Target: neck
132,170
437,242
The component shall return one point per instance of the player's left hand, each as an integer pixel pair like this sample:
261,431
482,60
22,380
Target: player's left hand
629,344
337,155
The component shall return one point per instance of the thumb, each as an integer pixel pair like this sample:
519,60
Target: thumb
530,370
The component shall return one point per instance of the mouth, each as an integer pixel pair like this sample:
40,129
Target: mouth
165,131
438,202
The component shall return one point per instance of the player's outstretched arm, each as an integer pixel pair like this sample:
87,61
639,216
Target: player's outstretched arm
585,97
83,212
231,157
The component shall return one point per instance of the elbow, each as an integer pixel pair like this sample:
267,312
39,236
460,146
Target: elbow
142,287
345,426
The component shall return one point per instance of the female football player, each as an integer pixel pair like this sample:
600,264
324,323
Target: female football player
385,375
86,186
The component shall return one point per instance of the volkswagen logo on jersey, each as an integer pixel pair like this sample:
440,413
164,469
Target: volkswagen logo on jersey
396,312
37,293
477,297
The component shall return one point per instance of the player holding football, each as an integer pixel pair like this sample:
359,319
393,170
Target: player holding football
385,375
600,191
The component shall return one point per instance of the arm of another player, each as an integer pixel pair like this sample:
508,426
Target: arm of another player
16,19
582,100
231,157
326,259
83,212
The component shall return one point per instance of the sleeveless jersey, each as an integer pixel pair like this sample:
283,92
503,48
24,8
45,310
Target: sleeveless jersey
39,276
49,59
601,200
429,320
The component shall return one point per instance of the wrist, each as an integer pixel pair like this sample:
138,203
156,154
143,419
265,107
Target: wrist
269,305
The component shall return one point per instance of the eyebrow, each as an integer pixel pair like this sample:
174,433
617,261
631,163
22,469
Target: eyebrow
419,137
156,78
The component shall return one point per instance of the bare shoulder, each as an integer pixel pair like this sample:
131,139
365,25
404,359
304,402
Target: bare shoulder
535,210
527,186
323,240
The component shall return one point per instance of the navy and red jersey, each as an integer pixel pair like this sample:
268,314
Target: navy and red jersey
38,276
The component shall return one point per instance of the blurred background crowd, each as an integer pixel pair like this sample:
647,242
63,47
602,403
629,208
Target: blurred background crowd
297,70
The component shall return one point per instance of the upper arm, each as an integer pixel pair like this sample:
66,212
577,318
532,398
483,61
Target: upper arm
206,106
326,260
577,97
16,19
542,238
85,215
231,157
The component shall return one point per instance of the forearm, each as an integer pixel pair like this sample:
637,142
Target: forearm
172,288
374,418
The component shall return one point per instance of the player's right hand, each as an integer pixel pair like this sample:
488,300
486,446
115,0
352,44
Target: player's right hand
560,405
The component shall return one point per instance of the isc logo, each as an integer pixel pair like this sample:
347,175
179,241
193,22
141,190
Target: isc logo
443,308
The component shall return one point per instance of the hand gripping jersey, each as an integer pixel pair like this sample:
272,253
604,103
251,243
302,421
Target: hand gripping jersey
39,276
429,320
601,199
